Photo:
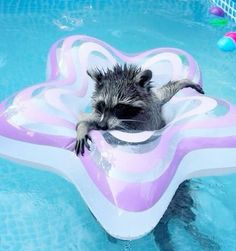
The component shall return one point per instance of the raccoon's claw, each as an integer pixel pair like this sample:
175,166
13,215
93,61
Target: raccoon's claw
87,137
81,144
197,87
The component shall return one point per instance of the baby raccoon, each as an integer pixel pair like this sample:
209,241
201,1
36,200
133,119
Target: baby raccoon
124,100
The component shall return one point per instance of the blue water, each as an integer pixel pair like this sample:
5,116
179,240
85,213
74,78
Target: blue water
40,211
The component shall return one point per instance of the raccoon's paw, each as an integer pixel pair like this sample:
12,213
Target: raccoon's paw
82,140
81,144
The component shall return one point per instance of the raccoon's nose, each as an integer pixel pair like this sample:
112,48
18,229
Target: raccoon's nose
103,125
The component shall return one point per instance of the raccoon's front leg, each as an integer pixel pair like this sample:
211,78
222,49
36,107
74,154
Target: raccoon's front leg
86,123
82,138
166,92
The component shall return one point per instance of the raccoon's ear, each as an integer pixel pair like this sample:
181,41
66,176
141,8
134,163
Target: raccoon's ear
143,78
96,75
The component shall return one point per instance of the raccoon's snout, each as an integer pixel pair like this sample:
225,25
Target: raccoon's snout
103,125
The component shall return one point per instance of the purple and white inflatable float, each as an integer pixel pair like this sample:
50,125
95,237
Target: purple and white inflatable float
127,180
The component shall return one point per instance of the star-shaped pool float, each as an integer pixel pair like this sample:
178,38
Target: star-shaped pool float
127,179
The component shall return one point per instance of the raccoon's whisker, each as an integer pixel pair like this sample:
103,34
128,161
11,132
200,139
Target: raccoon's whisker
102,117
131,120
120,127
123,128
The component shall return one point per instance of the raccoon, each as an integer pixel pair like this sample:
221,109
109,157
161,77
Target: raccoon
124,99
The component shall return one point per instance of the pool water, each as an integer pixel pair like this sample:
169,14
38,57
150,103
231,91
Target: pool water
40,211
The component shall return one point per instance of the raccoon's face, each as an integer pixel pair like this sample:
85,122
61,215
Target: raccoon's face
120,97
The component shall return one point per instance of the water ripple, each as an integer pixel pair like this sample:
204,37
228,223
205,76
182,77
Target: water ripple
68,23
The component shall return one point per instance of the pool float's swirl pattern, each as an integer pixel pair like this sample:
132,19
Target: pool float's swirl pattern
127,179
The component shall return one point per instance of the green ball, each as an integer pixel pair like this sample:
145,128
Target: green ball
218,21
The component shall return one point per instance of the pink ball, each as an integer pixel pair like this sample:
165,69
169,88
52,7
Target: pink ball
231,34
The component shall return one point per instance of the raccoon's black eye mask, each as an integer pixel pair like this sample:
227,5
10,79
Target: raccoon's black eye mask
124,111
121,111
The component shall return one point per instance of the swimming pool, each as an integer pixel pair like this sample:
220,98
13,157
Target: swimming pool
41,211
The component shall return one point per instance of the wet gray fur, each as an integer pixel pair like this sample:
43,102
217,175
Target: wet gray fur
124,99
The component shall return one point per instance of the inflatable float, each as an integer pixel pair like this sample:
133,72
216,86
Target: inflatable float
127,180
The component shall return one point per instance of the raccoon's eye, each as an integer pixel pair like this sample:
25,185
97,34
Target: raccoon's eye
100,106
123,111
